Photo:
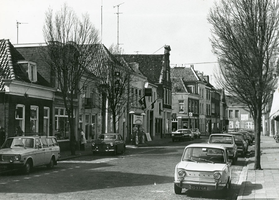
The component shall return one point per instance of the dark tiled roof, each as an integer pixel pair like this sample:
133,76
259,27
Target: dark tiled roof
9,69
178,85
6,63
187,74
149,65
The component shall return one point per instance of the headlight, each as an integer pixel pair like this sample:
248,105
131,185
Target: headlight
17,158
217,176
181,172
172,134
93,144
111,144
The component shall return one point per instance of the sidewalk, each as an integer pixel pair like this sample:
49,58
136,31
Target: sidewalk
262,184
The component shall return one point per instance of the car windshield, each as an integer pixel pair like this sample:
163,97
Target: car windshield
107,137
204,154
221,139
18,143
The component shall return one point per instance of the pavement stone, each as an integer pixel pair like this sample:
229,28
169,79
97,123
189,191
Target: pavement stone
262,184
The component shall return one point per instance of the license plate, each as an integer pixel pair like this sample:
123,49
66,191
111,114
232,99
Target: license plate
197,187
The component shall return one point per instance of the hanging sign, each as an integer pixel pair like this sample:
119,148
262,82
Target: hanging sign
138,119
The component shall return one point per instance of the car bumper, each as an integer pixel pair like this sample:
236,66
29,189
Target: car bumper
103,150
7,165
206,186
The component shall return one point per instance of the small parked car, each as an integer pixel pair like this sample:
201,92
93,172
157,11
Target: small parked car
242,146
26,152
197,133
181,134
228,141
109,142
203,167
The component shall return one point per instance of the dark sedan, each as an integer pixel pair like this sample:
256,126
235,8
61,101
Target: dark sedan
109,142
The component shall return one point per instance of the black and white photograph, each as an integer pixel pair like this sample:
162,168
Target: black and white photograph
137,99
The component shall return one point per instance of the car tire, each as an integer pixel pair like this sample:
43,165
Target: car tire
50,165
177,189
27,167
115,151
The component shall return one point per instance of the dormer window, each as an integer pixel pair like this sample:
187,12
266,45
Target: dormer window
30,68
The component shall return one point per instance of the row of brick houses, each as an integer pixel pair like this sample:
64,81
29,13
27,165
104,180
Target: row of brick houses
196,103
30,101
179,97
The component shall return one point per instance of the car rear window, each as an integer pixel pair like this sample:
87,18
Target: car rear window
221,139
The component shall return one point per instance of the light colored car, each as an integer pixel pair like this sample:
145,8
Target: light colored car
109,142
228,141
26,152
181,134
203,167
197,133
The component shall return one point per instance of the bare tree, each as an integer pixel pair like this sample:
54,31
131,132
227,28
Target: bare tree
114,78
245,39
71,47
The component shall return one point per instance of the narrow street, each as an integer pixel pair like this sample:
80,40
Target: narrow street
141,173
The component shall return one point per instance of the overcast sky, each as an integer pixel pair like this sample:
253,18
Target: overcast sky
145,26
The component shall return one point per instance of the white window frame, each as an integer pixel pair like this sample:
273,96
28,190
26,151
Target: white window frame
35,119
32,70
181,106
23,116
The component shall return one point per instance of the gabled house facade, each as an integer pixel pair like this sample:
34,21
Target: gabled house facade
239,115
157,70
26,97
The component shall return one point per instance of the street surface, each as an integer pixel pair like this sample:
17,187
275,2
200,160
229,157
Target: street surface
140,173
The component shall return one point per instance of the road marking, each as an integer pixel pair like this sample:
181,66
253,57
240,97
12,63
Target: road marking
102,160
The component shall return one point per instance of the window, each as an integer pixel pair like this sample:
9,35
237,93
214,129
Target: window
46,120
34,119
20,116
181,105
61,123
230,113
30,68
236,113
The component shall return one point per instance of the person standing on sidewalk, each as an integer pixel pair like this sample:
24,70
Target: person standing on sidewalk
82,140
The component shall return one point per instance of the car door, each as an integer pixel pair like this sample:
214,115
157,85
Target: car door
39,153
47,151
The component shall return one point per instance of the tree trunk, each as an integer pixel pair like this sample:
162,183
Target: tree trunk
257,164
72,136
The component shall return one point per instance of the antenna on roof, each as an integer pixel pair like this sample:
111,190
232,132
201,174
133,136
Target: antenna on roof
17,23
118,22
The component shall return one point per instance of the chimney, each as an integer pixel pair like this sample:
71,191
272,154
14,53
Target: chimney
206,78
167,49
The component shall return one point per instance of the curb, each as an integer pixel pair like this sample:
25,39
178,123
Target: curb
243,177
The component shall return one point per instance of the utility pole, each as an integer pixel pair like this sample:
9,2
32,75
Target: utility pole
17,23
118,22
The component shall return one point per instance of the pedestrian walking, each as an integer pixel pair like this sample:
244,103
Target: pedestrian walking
82,140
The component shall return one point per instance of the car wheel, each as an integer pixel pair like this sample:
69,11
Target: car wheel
51,163
115,151
27,167
177,190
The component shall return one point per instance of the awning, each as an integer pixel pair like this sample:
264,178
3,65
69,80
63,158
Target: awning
274,111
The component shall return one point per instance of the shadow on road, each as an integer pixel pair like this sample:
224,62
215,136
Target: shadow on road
61,180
